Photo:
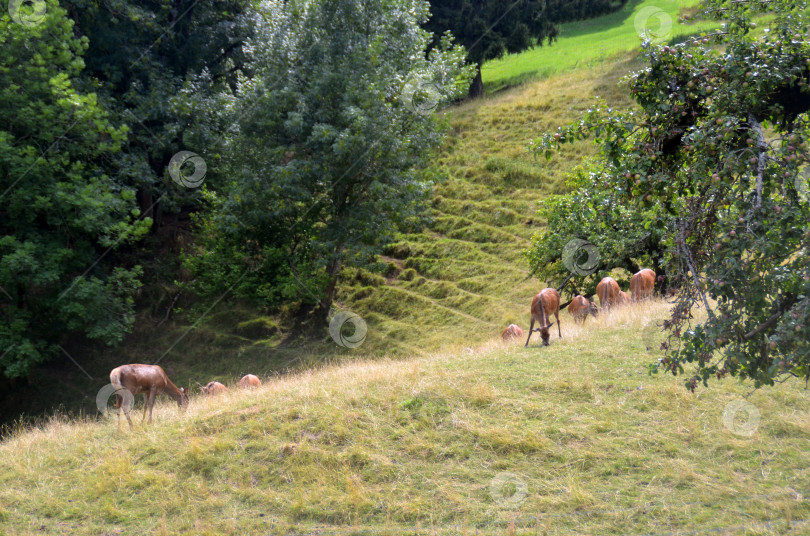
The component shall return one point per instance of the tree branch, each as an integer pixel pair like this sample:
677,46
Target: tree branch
682,243
762,147
790,300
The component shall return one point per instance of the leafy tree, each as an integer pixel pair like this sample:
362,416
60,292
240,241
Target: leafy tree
589,232
488,29
719,152
332,133
141,55
62,215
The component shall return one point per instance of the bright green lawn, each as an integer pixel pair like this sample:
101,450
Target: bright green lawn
592,43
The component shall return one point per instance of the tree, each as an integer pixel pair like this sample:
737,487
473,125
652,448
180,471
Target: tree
719,151
62,215
330,135
488,29
140,56
589,232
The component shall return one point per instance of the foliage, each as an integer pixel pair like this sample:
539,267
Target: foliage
62,213
140,56
719,150
488,29
329,137
593,214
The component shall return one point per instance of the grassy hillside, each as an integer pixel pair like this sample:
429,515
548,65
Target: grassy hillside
459,281
572,438
593,44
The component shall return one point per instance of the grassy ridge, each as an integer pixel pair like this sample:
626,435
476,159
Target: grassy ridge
573,438
593,44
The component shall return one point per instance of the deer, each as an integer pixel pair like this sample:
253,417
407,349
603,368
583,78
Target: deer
545,304
213,388
512,331
580,307
149,380
642,284
249,381
610,294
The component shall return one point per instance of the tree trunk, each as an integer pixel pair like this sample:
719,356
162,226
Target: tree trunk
146,204
477,86
325,305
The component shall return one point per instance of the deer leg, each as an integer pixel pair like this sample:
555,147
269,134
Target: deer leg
118,401
126,412
152,394
557,314
531,328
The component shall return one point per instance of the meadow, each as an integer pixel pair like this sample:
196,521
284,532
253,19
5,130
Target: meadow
576,437
433,426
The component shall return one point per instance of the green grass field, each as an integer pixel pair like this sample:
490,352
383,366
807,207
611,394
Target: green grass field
595,44
432,426
498,439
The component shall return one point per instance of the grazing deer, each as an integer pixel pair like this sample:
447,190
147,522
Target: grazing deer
512,331
213,388
610,294
642,284
545,304
249,381
580,307
149,380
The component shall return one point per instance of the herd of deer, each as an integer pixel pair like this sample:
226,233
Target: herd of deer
151,380
547,303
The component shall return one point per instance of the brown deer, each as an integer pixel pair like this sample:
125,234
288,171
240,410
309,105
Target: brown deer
609,293
545,304
149,380
512,331
642,284
580,307
249,381
213,388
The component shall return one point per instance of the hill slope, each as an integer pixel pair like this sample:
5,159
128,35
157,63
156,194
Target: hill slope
454,284
596,43
573,438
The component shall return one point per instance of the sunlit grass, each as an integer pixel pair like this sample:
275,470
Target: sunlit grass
419,446
593,44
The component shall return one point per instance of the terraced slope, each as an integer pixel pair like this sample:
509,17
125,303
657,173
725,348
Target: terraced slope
464,277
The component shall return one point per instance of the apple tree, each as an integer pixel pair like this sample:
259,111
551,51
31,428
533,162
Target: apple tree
718,150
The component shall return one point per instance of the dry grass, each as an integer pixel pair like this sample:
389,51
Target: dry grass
493,439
